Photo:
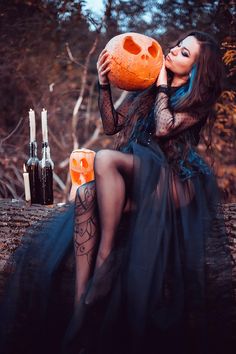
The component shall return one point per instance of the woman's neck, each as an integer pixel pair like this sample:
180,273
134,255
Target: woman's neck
179,80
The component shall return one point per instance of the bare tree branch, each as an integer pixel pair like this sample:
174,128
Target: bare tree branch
58,180
70,55
89,105
75,116
120,99
12,132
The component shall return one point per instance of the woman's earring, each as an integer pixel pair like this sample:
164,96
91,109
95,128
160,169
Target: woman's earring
189,75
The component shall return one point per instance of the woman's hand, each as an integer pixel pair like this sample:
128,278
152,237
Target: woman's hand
162,77
103,67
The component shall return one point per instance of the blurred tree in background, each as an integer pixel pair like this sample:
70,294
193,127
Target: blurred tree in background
48,54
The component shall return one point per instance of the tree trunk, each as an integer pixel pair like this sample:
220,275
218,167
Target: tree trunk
17,216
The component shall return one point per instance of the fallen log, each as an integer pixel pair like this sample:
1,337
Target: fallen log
17,216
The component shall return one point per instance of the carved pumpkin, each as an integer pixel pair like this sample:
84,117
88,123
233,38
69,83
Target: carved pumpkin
136,61
81,169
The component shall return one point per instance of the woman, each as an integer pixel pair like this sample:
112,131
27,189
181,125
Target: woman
157,272
148,256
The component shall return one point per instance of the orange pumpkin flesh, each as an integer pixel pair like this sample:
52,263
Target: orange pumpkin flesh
136,61
81,169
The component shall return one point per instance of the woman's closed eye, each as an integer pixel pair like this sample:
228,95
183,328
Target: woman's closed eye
184,53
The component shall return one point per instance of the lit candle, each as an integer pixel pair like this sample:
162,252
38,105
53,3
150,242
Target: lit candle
26,184
44,125
32,125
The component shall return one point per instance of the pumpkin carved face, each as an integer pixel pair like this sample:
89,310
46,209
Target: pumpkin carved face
136,61
81,168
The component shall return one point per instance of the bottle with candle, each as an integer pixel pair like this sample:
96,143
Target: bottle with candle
46,166
32,164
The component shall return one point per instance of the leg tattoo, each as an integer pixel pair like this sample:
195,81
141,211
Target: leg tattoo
85,235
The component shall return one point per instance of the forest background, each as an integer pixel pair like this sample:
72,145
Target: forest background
48,54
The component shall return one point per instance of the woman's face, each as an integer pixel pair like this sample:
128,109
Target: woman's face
181,58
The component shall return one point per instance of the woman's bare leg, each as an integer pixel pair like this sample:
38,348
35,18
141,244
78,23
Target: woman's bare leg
86,233
113,175
113,171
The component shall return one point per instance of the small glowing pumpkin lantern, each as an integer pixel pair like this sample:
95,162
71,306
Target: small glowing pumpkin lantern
136,61
81,168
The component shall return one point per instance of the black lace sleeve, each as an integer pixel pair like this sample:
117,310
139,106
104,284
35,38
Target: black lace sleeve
167,122
112,119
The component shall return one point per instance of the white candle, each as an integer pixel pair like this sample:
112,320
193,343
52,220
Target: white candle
32,125
44,125
26,184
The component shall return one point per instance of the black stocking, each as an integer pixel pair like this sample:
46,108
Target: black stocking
86,233
113,175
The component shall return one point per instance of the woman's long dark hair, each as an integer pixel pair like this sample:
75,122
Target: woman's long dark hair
207,84
203,89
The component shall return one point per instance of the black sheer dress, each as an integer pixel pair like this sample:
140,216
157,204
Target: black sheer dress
167,295
167,286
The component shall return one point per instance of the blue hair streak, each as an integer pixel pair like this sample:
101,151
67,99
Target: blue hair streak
184,90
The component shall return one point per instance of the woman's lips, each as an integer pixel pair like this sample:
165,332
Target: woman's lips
168,57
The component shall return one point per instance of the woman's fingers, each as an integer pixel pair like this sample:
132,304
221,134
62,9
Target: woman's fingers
103,66
162,77
105,60
102,52
103,70
164,62
102,57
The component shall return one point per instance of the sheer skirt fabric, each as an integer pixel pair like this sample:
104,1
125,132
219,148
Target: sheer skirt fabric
166,287
169,275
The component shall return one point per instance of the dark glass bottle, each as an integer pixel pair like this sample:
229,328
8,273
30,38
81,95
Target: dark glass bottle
32,167
46,175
